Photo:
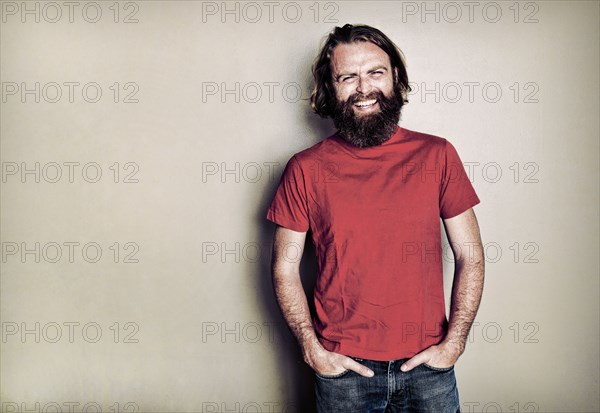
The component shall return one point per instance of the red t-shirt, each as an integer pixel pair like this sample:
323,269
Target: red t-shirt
374,214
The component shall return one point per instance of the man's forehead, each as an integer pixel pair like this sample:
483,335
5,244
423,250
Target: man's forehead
348,55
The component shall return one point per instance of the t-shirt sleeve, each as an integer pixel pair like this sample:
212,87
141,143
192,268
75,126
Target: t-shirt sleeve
456,191
289,206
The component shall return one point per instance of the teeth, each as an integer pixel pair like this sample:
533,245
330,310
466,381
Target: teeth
366,103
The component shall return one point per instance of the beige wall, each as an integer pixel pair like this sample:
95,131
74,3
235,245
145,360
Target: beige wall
181,293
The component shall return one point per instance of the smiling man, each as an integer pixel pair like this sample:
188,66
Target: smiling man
372,195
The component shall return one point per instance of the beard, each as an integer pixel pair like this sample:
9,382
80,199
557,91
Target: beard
368,130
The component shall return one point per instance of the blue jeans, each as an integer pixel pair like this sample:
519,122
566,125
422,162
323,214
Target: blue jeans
423,389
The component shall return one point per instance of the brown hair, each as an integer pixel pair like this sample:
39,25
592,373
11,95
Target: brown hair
323,93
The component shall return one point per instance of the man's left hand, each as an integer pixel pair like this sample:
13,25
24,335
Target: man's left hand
442,355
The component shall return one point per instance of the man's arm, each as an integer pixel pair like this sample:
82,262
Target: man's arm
288,246
467,287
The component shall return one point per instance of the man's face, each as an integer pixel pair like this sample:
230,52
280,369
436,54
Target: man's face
360,70
366,108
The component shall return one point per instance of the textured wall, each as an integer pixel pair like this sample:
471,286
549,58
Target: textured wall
142,143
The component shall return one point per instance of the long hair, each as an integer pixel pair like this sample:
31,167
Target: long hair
323,93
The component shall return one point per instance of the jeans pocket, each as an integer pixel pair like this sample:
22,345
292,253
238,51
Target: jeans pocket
441,369
332,376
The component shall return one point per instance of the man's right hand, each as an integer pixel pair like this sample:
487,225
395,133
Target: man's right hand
294,307
328,363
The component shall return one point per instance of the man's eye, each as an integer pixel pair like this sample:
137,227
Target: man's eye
377,73
347,79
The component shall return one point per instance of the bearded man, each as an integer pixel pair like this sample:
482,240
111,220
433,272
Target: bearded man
373,195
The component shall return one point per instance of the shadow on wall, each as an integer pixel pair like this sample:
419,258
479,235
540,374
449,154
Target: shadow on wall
296,378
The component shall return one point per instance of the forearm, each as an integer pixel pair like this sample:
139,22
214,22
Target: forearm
294,308
467,289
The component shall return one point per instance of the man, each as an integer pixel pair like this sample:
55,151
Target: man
372,195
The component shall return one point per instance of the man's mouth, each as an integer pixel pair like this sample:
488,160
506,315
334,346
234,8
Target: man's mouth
365,103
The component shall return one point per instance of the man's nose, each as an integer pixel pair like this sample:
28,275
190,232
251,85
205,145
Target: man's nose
363,86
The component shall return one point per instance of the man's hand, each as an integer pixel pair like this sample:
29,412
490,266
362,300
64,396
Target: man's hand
294,307
328,363
442,355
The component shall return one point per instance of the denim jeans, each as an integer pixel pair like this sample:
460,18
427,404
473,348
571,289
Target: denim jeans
422,389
